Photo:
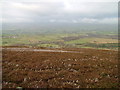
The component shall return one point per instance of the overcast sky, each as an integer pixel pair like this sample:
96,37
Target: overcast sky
60,11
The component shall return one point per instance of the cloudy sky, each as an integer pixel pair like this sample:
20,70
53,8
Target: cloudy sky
60,11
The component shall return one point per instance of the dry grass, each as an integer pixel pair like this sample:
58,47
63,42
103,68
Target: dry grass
90,69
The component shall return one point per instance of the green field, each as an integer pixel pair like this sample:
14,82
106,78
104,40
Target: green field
93,39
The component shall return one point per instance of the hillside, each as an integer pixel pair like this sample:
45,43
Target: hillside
88,68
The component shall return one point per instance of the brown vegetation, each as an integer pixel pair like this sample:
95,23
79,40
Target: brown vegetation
90,69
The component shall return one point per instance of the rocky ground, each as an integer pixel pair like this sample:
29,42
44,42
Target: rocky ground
91,68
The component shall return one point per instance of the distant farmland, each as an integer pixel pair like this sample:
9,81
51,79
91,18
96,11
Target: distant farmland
93,39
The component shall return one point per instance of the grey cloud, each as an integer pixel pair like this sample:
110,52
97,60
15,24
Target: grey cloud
60,11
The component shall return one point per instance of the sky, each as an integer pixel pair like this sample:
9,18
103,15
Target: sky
60,11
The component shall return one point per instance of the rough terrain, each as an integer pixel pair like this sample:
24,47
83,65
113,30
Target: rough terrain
90,68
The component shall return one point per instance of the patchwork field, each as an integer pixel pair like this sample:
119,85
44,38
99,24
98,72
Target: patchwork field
88,68
93,39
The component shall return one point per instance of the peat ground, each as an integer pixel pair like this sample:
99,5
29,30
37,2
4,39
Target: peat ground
90,69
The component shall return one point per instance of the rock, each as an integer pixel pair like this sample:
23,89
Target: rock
77,81
75,59
25,79
108,76
69,59
78,86
17,65
69,65
96,79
